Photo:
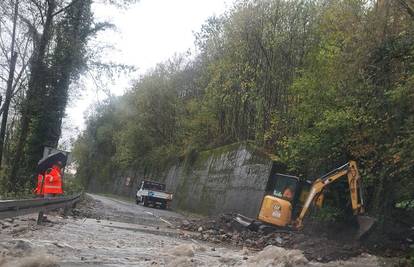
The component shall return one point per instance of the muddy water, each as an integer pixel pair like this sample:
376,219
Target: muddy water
105,243
92,243
96,242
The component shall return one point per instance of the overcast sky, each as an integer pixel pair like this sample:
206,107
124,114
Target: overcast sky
148,32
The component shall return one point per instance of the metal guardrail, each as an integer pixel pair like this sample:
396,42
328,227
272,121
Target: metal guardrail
13,208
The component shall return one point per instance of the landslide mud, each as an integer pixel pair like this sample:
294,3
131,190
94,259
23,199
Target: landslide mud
316,247
100,233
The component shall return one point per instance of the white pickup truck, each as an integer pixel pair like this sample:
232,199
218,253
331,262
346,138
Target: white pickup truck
151,192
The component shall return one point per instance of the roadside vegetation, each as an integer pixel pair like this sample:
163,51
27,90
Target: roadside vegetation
46,47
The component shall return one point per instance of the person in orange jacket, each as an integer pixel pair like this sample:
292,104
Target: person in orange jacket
49,184
53,181
40,185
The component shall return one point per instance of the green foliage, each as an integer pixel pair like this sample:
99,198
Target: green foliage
25,192
72,186
406,204
59,56
328,214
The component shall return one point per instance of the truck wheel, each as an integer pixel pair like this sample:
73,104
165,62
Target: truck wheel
145,202
137,200
164,206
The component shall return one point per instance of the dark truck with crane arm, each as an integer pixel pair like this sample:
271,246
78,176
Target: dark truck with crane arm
153,193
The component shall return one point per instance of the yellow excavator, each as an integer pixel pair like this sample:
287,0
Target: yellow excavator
287,202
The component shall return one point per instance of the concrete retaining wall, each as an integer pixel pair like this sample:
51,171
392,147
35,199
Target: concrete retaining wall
231,178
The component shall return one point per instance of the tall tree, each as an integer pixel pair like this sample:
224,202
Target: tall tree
15,46
10,80
56,58
35,92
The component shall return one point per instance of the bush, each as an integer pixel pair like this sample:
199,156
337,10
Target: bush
72,186
328,214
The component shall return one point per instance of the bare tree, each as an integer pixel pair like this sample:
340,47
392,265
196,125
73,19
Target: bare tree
408,5
10,79
15,47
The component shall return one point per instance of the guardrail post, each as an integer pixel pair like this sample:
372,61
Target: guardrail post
66,210
40,218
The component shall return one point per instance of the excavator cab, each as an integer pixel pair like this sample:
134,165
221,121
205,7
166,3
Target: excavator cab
282,194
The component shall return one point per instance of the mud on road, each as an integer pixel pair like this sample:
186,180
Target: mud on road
103,231
315,246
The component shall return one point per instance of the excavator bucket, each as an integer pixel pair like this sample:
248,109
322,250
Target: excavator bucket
365,224
246,222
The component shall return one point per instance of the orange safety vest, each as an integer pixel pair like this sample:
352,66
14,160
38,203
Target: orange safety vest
39,188
53,181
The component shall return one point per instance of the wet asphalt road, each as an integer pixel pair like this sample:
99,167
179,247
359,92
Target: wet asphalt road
124,211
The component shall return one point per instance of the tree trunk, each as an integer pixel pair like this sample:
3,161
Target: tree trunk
9,90
34,94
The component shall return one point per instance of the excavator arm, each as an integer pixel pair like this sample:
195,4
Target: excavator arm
355,187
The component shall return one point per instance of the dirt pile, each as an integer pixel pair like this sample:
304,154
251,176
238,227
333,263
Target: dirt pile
20,253
278,257
30,261
17,226
87,208
186,250
225,229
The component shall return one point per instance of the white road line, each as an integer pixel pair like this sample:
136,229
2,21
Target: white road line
167,222
164,220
